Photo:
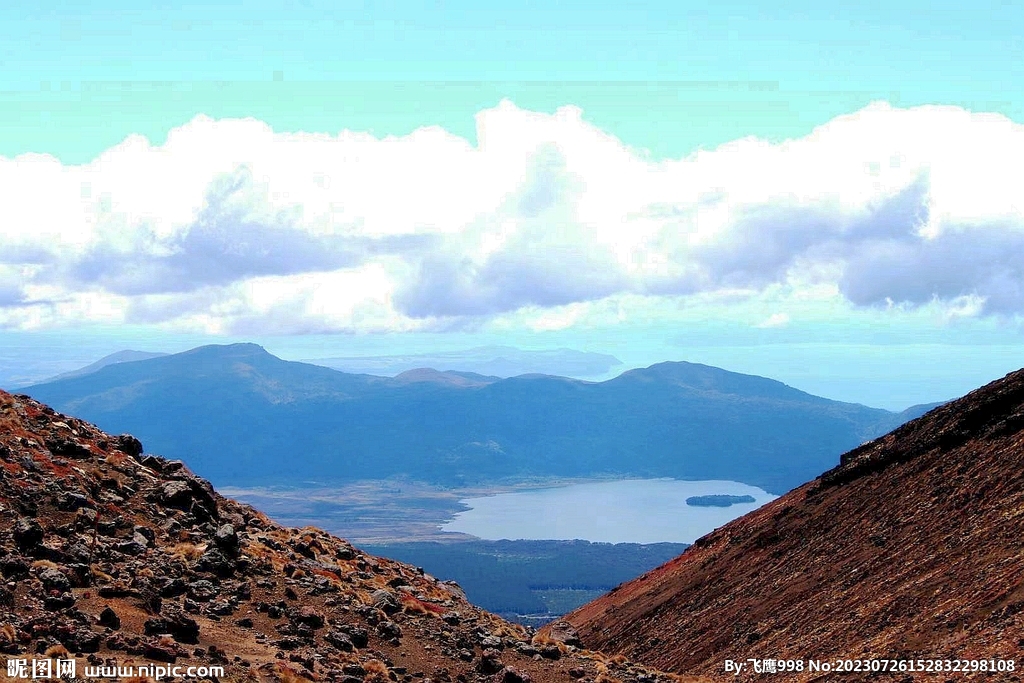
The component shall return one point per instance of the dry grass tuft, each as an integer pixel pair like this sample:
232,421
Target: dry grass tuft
115,458
99,575
376,671
188,551
413,605
288,675
57,652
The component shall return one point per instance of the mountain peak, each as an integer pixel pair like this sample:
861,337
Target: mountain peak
238,350
448,378
701,377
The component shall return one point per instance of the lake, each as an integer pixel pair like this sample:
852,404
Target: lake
624,511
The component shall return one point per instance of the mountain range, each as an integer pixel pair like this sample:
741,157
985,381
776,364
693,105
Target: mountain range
244,417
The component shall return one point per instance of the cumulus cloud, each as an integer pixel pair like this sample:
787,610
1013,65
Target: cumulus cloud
774,320
231,227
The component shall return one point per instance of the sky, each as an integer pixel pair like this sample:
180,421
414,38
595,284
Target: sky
829,198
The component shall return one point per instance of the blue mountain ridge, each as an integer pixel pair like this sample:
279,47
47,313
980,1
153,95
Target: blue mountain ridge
241,416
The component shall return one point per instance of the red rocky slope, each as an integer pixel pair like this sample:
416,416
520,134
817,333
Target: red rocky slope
913,547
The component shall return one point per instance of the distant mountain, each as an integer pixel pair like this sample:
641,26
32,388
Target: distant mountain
126,356
914,412
909,548
497,361
242,416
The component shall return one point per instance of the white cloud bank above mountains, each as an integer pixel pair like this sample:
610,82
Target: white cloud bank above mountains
230,227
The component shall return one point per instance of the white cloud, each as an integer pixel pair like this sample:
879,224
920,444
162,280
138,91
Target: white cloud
230,227
774,320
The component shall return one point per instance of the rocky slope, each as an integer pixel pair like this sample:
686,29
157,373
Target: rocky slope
913,547
111,555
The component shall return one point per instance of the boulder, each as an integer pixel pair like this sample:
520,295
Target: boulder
28,535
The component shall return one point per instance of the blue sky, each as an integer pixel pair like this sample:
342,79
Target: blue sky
861,251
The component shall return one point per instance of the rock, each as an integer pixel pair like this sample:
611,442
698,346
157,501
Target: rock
82,640
28,535
131,547
68,448
176,494
179,626
453,588
128,444
385,601
215,561
490,662
55,603
511,675
172,466
339,640
72,501
157,626
389,629
54,579
353,669
360,636
201,590
14,567
493,642
221,608
204,504
562,631
172,588
226,539
108,618
160,653
551,652
116,590
153,462
288,643
308,616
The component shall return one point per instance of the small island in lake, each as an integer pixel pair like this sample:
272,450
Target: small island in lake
718,500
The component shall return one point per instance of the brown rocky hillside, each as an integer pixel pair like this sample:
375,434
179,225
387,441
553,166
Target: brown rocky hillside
913,547
112,556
